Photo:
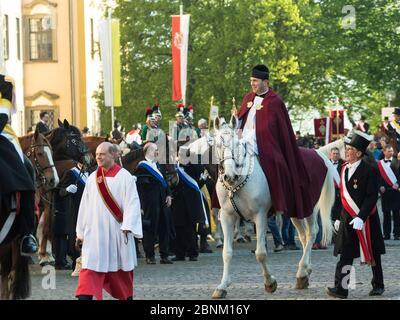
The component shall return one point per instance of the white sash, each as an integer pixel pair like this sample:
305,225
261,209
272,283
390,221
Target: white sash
9,222
387,172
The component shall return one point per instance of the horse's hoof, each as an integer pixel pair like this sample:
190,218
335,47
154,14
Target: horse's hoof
219,294
271,288
302,283
240,240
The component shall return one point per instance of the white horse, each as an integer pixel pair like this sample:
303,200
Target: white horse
242,187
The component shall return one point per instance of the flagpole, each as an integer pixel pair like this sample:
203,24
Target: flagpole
181,15
209,114
111,67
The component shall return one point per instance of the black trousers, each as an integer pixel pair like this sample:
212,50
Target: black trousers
149,239
387,223
340,273
186,241
60,247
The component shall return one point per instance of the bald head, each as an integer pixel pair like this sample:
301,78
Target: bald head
105,155
150,151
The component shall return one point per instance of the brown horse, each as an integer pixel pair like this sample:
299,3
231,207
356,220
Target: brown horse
44,190
14,268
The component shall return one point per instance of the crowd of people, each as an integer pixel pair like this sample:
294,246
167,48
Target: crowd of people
103,215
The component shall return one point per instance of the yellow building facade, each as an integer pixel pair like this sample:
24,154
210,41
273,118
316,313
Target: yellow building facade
62,68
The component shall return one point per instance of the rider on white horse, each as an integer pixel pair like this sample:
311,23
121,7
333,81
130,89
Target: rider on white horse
266,126
14,175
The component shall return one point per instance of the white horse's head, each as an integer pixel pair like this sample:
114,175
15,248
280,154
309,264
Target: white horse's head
226,142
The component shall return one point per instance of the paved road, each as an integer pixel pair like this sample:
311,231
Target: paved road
197,280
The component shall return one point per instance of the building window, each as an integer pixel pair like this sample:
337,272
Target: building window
6,38
18,25
40,39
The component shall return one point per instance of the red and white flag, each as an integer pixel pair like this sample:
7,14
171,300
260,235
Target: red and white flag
180,42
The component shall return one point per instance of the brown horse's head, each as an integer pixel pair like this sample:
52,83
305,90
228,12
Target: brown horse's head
41,156
66,141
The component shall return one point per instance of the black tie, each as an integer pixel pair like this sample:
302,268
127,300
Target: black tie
386,161
346,174
335,162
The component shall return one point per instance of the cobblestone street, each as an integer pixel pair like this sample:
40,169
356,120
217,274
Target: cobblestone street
197,280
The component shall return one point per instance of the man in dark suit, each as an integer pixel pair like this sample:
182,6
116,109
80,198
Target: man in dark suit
337,162
359,221
155,200
394,126
362,125
389,189
42,125
71,187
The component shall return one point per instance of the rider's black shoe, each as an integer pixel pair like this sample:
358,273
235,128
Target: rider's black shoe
29,245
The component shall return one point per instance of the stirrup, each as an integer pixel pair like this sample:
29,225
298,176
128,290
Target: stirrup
22,241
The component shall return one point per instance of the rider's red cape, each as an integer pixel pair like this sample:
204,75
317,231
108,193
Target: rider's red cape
295,175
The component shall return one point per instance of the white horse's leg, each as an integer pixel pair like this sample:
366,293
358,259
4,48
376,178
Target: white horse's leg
228,222
302,270
270,283
307,233
218,233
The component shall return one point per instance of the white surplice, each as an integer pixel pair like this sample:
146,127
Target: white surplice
104,244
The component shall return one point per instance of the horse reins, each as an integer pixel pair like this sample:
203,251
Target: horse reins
233,189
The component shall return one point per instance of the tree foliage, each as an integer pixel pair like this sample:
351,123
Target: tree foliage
313,55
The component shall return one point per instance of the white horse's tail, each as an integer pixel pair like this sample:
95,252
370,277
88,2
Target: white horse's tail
326,200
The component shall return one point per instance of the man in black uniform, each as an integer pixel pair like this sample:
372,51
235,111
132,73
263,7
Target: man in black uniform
389,189
337,162
16,174
394,126
359,221
155,201
71,189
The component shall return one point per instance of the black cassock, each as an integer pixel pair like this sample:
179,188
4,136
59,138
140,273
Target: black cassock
363,189
17,176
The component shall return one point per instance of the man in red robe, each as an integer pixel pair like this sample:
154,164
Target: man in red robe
295,175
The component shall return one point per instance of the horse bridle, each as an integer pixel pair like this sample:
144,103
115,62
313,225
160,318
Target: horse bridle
222,159
229,188
75,142
31,154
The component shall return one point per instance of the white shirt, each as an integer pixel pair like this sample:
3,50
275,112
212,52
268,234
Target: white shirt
249,130
352,168
335,164
104,244
133,137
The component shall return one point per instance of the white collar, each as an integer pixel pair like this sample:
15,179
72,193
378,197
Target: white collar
353,165
264,93
150,161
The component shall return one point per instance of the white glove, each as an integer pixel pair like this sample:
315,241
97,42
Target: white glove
72,188
336,225
357,223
